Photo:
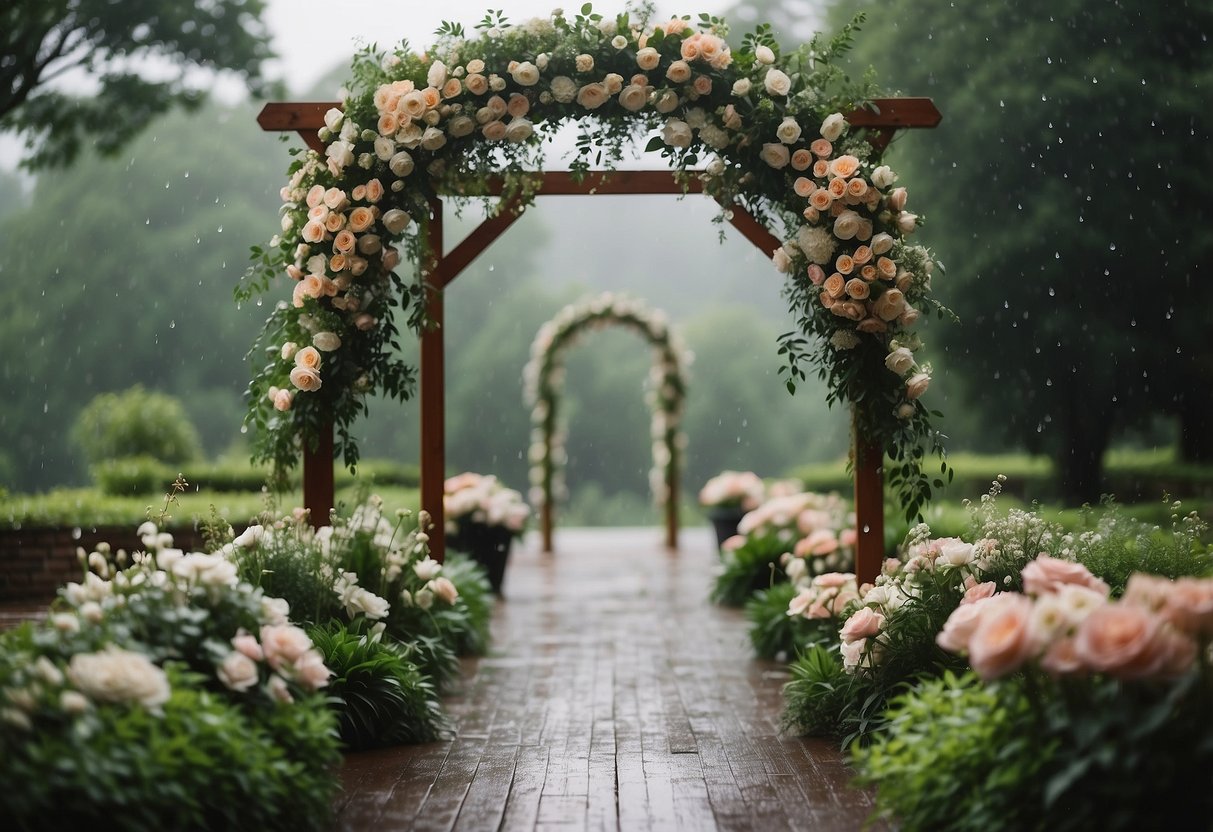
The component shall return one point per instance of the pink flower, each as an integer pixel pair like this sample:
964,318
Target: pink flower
444,590
819,542
1047,574
1001,642
733,543
863,624
959,628
1124,641
283,644
830,580
801,602
311,672
247,644
1191,605
978,592
1061,658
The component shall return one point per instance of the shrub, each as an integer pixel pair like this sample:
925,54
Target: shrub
136,422
751,567
380,696
774,633
132,475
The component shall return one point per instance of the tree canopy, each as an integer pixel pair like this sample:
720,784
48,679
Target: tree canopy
131,60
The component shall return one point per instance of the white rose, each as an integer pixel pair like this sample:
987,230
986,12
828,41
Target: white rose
907,222
667,102
764,55
115,675
564,89
333,118
424,599
900,361
401,163
436,77
716,138
783,263
777,82
341,153
905,410
833,126
619,41
384,148
497,83
369,604
883,176
676,133
460,126
881,243
955,553
519,130
788,130
776,155
326,341
433,138
525,74
237,671
396,220
741,87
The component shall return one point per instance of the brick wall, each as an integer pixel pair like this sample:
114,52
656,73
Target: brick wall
35,562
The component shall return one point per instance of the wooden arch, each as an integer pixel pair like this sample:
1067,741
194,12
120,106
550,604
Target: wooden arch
883,118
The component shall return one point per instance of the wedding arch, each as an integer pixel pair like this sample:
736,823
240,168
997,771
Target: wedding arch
779,140
543,383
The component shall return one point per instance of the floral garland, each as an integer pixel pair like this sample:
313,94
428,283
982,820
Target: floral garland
543,380
766,128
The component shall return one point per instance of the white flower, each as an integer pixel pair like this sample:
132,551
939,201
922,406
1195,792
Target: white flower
274,610
564,89
833,126
401,163
955,553
783,263
436,77
844,339
676,133
716,138
741,87
433,138
333,118
424,599
619,41
396,220
206,570
427,569
817,243
883,176
341,153
368,603
900,361
326,341
764,55
73,702
115,675
777,82
788,130
519,130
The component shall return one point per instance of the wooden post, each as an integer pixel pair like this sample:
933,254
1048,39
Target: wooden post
546,521
869,506
318,477
433,384
671,504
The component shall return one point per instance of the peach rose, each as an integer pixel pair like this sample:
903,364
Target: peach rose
827,300
315,196
1061,658
1190,606
592,96
819,542
361,218
689,48
413,104
388,124
857,188
844,166
802,160
648,58
887,268
865,623
306,379
1048,574
800,604
1000,643
889,305
374,191
345,241
702,84
444,590
518,105
821,148
835,285
916,385
308,357
977,592
821,199
494,131
310,671
959,628
311,286
775,154
313,232
896,200
679,72
364,322
862,255
837,188
845,264
871,325
282,400
334,222
850,309
868,273
858,289
821,168
452,88
476,84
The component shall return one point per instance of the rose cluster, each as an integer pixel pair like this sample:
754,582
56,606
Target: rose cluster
740,489
817,531
1065,623
475,498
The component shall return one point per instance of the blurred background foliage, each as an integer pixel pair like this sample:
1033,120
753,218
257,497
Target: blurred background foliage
1067,191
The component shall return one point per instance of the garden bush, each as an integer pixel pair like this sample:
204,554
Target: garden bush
136,422
132,475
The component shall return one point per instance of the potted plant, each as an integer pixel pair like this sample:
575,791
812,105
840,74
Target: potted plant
482,519
727,497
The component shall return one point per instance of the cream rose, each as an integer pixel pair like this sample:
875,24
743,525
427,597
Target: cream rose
648,58
882,243
776,155
519,130
777,82
237,672
305,379
883,176
308,357
764,55
846,225
900,361
679,72
443,590
676,133
526,74
916,385
396,220
460,126
283,644
890,304
667,102
401,164
282,400
788,131
833,126
326,341
592,96
476,84
633,98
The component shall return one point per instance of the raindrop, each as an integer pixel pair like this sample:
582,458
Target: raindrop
76,533
46,406
219,229
172,324
187,174
866,528
1051,292
244,428
147,221
1111,246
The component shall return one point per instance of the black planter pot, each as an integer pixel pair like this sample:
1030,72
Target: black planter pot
724,521
487,545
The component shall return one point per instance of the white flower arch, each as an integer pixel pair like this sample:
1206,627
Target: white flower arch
760,128
543,383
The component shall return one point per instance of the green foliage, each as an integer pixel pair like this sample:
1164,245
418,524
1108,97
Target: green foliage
111,40
293,570
471,636
133,423
955,756
380,697
749,568
132,475
819,692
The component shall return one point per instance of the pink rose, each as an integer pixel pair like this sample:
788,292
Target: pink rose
1061,658
283,644
816,274
832,580
866,622
1048,574
978,592
310,671
444,590
1123,641
1190,606
246,643
283,400
959,628
896,200
800,604
1001,641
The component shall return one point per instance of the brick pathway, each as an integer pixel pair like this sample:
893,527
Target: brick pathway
616,697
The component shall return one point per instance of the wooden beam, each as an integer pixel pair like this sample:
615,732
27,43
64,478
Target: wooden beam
869,507
318,493
474,244
433,389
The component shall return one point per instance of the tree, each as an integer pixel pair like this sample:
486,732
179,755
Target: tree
144,56
1068,188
